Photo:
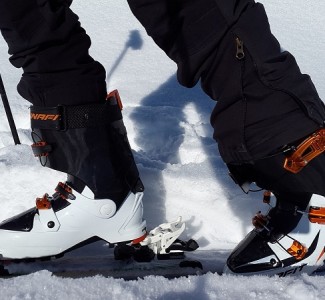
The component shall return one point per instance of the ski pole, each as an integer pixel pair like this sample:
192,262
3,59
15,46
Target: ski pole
8,113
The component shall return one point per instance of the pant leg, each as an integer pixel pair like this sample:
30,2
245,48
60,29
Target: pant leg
46,40
263,100
189,32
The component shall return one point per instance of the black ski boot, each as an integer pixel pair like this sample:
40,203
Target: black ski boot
290,239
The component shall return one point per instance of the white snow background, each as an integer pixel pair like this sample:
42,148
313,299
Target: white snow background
169,130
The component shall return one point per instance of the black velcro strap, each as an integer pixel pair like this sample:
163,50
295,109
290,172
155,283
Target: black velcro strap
76,116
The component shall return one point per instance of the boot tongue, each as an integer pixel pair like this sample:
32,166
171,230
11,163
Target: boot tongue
87,192
75,183
283,219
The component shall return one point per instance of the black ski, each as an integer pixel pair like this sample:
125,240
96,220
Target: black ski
90,262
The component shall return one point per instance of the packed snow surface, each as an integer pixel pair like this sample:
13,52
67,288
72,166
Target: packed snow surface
169,130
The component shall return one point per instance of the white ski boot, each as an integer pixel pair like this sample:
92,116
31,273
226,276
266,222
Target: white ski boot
68,218
299,251
102,197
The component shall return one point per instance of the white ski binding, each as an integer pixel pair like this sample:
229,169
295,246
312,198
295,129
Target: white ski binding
162,241
162,237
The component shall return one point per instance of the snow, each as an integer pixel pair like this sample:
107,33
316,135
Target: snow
193,288
169,131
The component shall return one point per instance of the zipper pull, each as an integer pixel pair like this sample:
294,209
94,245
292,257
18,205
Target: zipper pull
240,54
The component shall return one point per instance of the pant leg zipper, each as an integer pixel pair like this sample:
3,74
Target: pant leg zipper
240,54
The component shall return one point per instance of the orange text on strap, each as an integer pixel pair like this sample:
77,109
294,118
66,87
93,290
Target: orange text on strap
44,117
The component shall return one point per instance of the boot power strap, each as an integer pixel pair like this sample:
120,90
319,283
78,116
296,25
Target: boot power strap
75,116
306,151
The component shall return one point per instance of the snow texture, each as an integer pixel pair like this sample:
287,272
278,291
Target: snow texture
170,133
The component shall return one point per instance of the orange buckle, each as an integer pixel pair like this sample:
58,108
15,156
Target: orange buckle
316,215
65,191
267,197
305,152
43,203
41,148
115,94
297,250
259,220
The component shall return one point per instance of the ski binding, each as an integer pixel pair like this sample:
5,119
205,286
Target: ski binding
162,241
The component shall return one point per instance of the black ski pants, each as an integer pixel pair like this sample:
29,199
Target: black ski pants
263,100
46,40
